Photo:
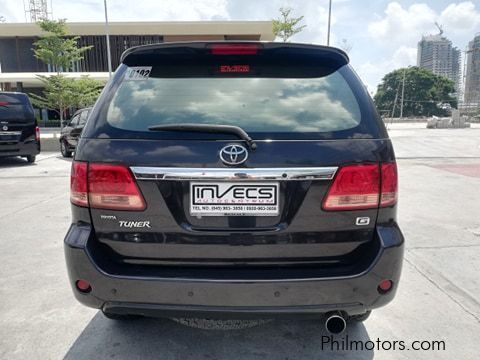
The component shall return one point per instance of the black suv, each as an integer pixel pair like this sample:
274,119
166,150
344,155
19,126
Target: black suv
238,180
19,133
71,132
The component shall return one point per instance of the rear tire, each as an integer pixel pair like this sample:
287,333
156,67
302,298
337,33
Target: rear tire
360,317
30,158
64,149
120,317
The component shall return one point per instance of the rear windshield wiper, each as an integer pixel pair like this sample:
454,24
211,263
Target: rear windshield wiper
208,128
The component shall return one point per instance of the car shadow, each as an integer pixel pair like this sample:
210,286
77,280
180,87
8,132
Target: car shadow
148,338
14,162
67,159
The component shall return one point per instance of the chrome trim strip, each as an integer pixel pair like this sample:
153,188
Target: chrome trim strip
172,173
16,133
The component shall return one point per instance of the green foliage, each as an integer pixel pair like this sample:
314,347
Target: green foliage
87,91
286,26
61,93
55,49
423,96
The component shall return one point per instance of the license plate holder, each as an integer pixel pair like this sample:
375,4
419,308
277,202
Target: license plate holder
234,198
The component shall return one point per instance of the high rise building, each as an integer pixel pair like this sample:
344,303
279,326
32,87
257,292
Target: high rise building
436,53
472,73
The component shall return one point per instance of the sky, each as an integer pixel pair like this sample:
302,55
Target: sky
382,34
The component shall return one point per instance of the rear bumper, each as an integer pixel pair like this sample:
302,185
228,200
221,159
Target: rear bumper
31,147
156,296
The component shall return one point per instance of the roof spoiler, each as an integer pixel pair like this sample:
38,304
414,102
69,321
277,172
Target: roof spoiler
197,47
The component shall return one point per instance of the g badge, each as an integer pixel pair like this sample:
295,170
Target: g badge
362,221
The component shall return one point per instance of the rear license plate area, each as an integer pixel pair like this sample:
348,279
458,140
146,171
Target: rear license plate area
234,199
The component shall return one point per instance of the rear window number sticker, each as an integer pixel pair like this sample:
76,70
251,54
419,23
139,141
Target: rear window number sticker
136,73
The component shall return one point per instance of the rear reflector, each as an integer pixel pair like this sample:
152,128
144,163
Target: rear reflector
83,286
385,286
389,184
364,186
113,187
78,183
233,49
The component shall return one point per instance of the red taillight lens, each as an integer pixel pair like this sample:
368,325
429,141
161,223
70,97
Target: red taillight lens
78,183
233,49
113,187
363,186
354,187
389,184
37,133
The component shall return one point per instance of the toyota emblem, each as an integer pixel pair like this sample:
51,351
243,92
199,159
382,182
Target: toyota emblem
5,128
233,154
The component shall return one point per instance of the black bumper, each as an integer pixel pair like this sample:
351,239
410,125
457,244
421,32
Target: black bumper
235,298
29,147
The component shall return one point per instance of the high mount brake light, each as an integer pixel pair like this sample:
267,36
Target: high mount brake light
364,186
105,186
233,49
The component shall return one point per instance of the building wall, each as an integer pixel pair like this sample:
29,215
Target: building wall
16,40
472,75
16,55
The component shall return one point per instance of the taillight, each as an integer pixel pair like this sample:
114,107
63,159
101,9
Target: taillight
78,183
364,186
37,133
389,184
233,49
104,186
113,187
354,187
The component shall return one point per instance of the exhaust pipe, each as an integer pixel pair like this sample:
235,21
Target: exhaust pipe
335,322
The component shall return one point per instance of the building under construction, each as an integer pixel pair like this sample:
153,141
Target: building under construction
436,53
472,74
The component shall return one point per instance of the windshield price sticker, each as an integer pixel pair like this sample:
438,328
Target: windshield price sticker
136,73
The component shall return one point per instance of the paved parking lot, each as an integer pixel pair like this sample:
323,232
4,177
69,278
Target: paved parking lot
438,298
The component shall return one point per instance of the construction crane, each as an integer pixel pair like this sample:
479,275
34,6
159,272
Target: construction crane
440,28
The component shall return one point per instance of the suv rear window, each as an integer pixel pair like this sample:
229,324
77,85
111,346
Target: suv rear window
15,108
321,104
277,91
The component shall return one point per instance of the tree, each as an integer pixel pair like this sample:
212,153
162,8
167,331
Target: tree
286,26
425,94
61,52
87,90
55,48
345,46
58,94
61,93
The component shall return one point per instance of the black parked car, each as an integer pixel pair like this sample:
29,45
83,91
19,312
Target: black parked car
71,132
19,133
238,180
